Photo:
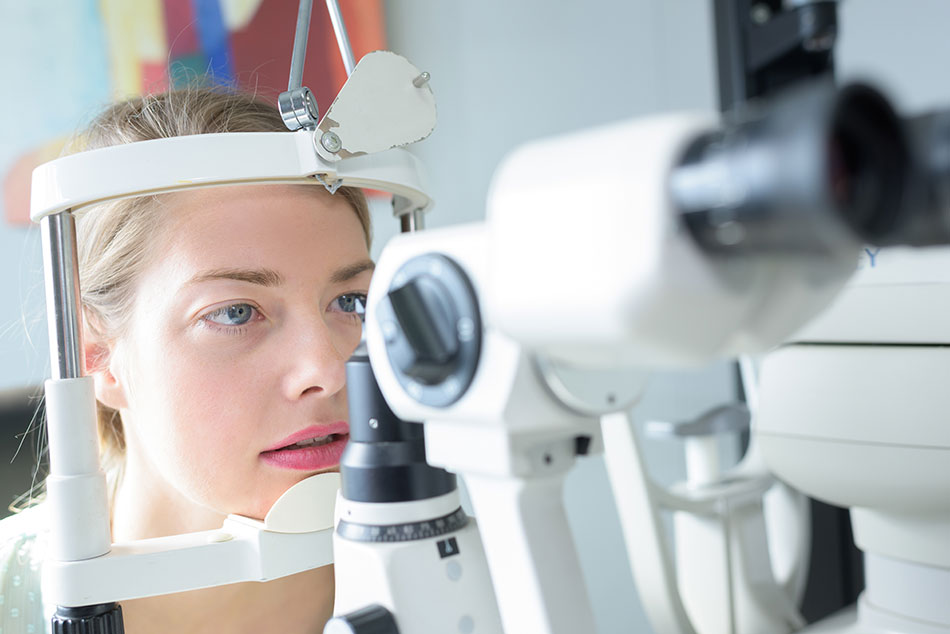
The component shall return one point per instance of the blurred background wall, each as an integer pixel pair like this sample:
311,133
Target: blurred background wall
503,72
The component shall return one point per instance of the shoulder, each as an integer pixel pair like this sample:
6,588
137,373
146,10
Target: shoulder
30,521
22,550
23,536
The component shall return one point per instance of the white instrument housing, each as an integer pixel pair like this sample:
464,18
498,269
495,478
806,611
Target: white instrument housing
853,412
435,584
584,225
510,440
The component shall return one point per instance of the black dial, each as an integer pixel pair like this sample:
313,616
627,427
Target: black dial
430,322
103,618
373,619
427,316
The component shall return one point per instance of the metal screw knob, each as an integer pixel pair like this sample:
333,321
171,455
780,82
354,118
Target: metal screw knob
331,142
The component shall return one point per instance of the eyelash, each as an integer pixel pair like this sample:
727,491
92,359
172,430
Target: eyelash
239,329
358,296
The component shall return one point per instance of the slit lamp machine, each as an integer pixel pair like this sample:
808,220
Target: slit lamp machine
695,237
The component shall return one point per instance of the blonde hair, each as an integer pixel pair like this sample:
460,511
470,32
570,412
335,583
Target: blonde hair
113,237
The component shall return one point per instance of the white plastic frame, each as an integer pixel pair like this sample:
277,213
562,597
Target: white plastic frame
209,160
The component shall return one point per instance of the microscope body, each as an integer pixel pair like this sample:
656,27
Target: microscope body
428,570
591,261
495,425
408,558
586,261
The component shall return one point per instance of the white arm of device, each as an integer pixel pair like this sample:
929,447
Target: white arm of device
209,160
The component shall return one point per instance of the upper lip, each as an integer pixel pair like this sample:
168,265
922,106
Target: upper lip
314,431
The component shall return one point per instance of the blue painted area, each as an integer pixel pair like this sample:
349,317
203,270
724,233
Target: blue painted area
24,349
213,35
56,77
190,70
55,69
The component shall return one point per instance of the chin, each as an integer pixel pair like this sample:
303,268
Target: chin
258,509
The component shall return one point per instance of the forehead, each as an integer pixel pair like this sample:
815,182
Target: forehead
211,207
257,219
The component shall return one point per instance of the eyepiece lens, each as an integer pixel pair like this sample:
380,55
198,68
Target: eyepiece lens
867,161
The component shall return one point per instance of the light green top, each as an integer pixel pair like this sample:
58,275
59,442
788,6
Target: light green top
23,539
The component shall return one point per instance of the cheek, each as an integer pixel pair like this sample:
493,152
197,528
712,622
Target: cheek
346,332
199,409
218,396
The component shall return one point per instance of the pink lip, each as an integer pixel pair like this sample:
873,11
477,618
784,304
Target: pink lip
314,431
309,458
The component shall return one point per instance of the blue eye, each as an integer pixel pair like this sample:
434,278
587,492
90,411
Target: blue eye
233,315
354,303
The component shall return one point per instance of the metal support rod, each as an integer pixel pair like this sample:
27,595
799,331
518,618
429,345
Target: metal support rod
346,51
729,17
300,45
412,221
761,49
61,269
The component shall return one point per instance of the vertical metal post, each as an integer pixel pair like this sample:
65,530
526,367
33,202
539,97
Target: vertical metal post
764,45
346,51
76,488
61,269
729,16
412,221
300,45
297,106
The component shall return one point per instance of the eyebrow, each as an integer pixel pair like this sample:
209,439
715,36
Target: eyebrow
270,277
347,273
263,277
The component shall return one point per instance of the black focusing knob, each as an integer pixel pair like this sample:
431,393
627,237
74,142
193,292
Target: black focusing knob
432,328
104,618
373,619
426,314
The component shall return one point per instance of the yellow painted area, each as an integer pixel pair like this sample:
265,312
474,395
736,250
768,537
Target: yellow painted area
135,32
237,14
152,44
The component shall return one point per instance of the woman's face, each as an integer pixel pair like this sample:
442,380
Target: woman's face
237,343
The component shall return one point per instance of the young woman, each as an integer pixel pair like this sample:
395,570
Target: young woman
217,325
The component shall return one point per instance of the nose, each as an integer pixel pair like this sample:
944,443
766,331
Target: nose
316,360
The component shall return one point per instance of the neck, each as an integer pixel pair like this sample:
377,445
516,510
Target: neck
298,604
145,506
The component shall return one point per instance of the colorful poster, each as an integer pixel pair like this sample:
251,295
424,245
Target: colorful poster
64,60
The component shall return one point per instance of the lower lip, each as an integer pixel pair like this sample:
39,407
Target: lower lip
307,458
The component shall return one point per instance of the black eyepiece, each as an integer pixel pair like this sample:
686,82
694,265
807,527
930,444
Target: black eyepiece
385,459
868,163
805,172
